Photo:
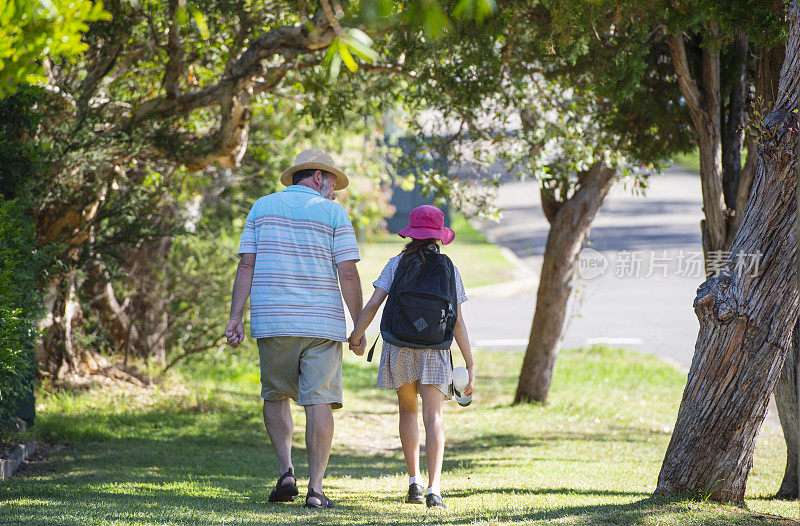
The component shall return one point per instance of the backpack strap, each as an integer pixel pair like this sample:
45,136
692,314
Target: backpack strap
372,350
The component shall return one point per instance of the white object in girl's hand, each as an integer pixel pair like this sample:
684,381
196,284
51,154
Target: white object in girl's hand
460,382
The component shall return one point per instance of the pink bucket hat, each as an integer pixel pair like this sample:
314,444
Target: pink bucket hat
426,222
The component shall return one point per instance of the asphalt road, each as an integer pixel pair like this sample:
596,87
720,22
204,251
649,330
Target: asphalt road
635,291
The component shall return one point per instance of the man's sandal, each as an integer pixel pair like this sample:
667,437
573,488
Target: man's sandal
325,501
283,493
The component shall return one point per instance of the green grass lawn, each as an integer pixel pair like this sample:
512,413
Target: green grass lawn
691,161
194,452
479,261
688,161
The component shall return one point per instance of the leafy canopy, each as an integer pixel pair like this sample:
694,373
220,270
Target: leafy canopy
31,30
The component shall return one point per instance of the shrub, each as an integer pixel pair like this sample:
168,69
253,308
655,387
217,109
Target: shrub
21,276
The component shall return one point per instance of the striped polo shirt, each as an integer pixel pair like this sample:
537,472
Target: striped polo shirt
298,237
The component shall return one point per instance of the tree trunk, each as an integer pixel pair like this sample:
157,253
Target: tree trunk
569,228
114,317
786,400
60,352
745,319
768,71
703,102
137,326
768,68
150,303
733,122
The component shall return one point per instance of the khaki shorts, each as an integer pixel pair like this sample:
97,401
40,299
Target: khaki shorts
307,370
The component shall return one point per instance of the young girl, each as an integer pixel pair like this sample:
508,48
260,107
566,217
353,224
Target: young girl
410,371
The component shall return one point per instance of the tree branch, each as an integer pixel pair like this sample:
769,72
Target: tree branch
233,93
110,53
288,41
550,205
245,23
332,20
711,90
195,350
396,69
689,88
173,70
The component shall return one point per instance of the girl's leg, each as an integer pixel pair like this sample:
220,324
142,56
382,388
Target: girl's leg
433,417
409,432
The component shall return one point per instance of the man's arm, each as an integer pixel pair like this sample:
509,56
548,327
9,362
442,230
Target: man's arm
350,282
366,317
241,290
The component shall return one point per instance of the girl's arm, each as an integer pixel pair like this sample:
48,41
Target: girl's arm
460,334
367,315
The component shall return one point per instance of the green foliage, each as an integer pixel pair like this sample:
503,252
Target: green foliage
368,209
201,270
352,41
32,30
619,51
22,267
428,18
20,158
478,10
513,92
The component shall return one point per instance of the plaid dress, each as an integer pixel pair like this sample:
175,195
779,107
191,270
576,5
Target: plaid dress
401,365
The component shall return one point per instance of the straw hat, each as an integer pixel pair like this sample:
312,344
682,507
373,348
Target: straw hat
315,159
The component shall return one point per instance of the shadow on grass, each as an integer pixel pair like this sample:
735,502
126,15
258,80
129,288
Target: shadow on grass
483,442
545,491
175,481
209,462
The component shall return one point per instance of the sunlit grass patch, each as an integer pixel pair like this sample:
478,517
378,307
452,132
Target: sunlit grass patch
195,452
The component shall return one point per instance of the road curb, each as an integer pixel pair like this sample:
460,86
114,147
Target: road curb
23,452
507,289
525,281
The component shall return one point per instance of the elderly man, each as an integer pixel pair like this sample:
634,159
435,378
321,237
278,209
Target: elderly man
294,244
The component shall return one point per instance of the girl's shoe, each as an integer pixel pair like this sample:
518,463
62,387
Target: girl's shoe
432,500
416,494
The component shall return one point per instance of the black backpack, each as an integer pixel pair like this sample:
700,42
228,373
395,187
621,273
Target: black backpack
421,309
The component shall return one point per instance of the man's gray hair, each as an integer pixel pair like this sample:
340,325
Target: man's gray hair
300,175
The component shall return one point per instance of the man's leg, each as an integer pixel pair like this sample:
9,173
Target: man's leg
278,421
319,435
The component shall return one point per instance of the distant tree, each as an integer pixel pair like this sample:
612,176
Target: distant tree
503,94
642,52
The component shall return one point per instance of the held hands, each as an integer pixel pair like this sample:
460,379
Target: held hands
235,332
357,345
